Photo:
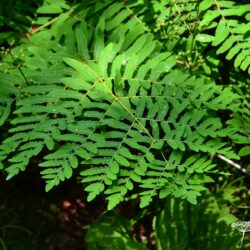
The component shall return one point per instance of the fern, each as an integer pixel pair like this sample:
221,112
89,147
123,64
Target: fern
5,105
232,29
205,226
187,27
175,23
114,109
240,123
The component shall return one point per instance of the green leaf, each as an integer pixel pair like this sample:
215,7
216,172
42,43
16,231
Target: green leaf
126,153
121,160
49,142
145,201
105,58
86,71
111,175
114,167
229,42
95,187
73,161
67,170
49,171
83,154
165,192
221,33
51,184
91,196
4,112
114,200
99,37
129,185
205,4
240,57
135,177
180,192
245,151
204,38
192,197
91,147
74,83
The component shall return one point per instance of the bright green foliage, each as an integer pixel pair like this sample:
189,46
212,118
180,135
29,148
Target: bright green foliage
240,122
101,97
175,23
188,27
232,30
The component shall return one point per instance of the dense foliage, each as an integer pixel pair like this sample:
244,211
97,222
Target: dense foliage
96,93
138,99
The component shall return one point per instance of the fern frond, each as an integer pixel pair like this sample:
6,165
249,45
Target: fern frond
114,109
231,34
8,90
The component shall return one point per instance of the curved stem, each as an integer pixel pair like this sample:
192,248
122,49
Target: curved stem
242,238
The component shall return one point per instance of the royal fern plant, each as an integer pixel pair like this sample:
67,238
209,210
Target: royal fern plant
94,93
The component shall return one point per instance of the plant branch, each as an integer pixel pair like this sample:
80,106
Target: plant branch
234,164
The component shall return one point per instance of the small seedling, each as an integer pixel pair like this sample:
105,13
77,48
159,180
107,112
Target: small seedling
242,226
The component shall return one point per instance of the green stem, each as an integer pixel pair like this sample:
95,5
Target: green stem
242,238
19,68
3,244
